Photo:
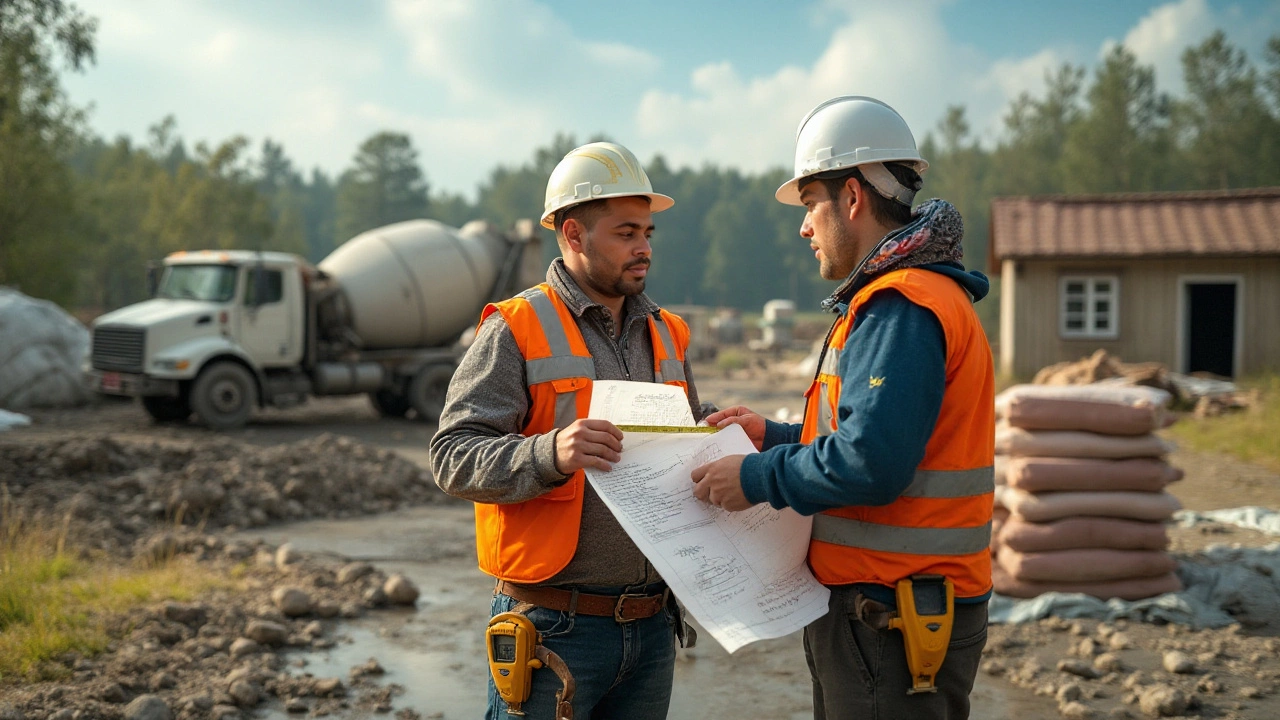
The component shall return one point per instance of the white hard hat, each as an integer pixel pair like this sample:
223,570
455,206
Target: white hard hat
850,131
595,171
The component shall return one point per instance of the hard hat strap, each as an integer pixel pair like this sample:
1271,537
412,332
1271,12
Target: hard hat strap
886,184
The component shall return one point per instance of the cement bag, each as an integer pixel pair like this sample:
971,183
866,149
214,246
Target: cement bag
1035,474
42,350
1002,469
1076,444
1083,532
1128,589
1086,565
998,517
1106,409
1046,507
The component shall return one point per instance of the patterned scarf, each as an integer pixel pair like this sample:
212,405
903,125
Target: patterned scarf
932,236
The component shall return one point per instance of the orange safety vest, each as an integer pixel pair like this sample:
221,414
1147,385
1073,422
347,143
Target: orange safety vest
941,524
531,541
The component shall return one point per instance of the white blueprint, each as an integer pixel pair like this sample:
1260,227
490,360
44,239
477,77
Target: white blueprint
742,575
625,402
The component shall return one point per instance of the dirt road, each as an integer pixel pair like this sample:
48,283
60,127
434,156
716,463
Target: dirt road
436,653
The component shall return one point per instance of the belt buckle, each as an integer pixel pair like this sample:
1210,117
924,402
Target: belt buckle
617,607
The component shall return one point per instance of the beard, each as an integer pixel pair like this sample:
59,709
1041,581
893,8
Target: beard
608,282
838,253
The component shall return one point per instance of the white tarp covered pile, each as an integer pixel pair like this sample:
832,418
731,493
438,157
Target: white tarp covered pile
42,350
1081,500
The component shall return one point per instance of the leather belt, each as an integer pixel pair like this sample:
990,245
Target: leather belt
623,608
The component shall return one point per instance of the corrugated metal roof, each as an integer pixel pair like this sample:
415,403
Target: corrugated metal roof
1226,222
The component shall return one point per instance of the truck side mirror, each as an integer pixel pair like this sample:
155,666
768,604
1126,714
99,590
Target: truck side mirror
153,279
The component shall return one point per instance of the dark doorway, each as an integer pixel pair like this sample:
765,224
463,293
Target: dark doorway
1211,328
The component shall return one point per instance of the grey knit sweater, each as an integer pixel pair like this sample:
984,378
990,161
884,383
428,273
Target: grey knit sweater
479,454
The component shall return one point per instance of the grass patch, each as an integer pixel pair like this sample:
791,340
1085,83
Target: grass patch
730,359
1251,435
55,600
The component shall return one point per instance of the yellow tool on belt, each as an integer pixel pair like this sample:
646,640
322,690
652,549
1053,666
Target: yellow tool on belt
926,613
515,651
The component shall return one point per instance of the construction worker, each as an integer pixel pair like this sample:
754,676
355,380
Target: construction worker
894,457
514,439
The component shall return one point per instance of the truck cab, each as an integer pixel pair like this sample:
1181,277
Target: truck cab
241,312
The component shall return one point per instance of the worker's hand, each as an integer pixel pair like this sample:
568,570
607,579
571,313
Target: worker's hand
718,483
588,444
752,422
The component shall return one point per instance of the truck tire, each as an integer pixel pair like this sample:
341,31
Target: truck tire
167,409
427,391
224,395
390,403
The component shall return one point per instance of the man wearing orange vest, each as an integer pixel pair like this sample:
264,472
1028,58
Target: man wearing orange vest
894,457
514,439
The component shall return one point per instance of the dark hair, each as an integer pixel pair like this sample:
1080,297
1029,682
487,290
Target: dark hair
889,212
586,213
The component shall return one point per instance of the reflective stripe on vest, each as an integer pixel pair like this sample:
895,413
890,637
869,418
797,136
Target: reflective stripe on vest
952,483
562,364
669,369
830,366
896,539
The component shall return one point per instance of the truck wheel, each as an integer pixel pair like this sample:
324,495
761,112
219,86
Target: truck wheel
389,403
427,391
224,395
167,409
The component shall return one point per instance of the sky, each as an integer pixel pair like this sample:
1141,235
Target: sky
482,83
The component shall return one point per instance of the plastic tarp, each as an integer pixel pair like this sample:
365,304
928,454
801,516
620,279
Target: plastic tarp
1252,517
12,420
42,351
1224,585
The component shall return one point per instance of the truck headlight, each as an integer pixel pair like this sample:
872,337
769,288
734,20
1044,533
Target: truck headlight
171,364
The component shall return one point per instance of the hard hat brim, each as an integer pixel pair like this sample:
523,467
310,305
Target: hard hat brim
657,203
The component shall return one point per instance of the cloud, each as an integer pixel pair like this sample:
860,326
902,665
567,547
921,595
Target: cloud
1163,34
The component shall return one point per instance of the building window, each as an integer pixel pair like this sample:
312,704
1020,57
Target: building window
1089,306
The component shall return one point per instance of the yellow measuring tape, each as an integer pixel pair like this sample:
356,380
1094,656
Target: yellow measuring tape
668,429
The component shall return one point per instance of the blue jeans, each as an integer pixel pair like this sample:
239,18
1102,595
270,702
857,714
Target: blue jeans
622,671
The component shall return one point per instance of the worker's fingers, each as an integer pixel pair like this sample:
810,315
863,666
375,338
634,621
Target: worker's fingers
599,450
606,439
699,472
715,417
603,426
702,491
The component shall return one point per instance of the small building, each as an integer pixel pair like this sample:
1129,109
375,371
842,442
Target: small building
1188,279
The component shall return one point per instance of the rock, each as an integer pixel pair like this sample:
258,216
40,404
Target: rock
374,597
352,572
1134,680
371,667
326,609
147,707
1119,641
313,629
1162,701
994,667
400,590
328,687
1105,631
292,601
1250,692
1069,692
1209,684
244,693
1076,711
286,555
224,712
244,646
265,632
1179,663
296,705
1120,713
9,712
162,680
199,703
113,693
1087,648
1079,668
1108,662
1078,628
63,714
190,614
350,610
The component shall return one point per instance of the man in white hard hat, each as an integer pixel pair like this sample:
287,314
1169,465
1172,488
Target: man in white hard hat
514,438
895,456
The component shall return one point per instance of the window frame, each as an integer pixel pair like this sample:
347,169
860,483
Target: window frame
1091,314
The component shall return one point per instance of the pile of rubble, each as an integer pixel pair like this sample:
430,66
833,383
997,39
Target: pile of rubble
112,492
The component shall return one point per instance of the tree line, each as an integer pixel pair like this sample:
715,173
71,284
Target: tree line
81,216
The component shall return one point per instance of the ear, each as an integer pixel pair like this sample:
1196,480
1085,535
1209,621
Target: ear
573,232
857,198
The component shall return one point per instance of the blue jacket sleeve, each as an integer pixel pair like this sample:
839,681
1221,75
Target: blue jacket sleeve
776,433
893,374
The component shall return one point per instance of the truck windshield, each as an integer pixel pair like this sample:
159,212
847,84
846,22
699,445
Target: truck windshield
211,283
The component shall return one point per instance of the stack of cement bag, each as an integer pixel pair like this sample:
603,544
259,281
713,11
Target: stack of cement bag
1080,500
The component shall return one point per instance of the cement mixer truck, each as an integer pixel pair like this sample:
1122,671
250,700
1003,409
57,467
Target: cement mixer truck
226,332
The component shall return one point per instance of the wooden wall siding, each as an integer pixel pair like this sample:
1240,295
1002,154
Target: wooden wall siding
1148,311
